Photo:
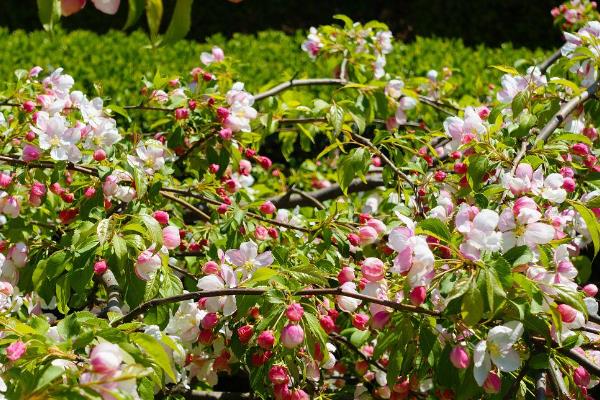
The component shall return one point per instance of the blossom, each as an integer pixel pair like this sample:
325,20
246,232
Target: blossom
414,258
102,134
54,135
480,232
459,357
550,188
520,225
394,88
106,358
226,279
150,156
31,153
15,350
148,262
463,130
498,349
216,55
292,335
112,188
513,85
373,269
313,43
239,118
60,83
345,303
171,239
248,259
107,6
185,324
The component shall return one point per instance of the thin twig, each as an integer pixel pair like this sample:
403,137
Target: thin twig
298,82
308,197
187,205
355,349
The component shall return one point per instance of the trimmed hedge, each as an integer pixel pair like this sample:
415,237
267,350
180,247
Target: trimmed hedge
117,61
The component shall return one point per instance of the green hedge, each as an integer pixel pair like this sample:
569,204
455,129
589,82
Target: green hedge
118,60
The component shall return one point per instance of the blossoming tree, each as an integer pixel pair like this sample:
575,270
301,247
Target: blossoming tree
433,249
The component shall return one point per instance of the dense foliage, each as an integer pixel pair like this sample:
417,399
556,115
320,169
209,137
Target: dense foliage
437,246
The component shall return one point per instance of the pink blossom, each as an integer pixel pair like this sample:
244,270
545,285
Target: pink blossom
171,239
581,376
346,274
106,358
567,313
107,6
298,394
210,320
266,339
418,295
492,383
261,233
69,7
360,321
215,56
182,113
373,269
377,224
380,320
161,216
210,267
15,350
245,167
367,235
294,312
292,335
279,375
247,259
267,207
414,258
31,153
100,267
459,357
313,43
463,130
327,323
18,254
520,225
5,180
590,290
147,264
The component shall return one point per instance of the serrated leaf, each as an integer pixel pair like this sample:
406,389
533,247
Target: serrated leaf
104,231
591,222
154,233
472,306
436,228
154,349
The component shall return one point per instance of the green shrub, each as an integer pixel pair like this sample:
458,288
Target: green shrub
117,61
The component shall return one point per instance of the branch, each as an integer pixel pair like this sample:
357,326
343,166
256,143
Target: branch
298,82
557,380
583,361
146,108
549,61
205,217
10,160
308,197
558,119
328,193
260,291
540,386
113,304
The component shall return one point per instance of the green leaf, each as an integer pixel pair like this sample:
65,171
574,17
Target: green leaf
55,265
119,246
63,293
50,374
519,102
436,228
262,274
505,68
347,21
154,233
472,306
591,222
181,21
518,255
104,231
478,167
141,184
154,349
355,163
49,13
136,8
336,117
154,13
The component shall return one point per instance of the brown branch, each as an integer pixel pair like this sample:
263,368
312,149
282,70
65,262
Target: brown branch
328,193
583,361
205,217
308,198
557,380
113,304
298,82
549,61
540,386
146,108
260,291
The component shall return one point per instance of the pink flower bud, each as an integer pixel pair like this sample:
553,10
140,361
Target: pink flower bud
15,350
6,288
210,320
327,324
367,235
292,335
492,383
266,339
591,133
182,113
459,357
581,377
439,176
376,161
483,112
567,172
5,180
581,149
267,207
567,313
353,239
99,155
360,321
590,290
147,264
373,269
106,358
380,320
100,267
226,134
210,267
278,375
161,216
261,233
346,274
222,113
569,185
31,153
523,202
222,209
273,233
28,106
213,168
56,188
171,238
298,394
377,224
418,295
11,208
265,162
38,189
245,167
89,192
35,71
294,312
